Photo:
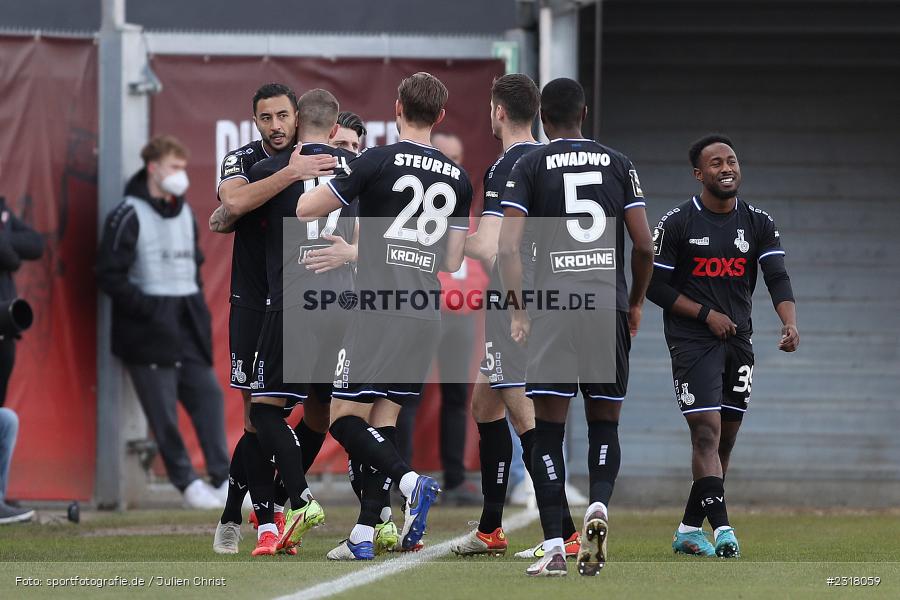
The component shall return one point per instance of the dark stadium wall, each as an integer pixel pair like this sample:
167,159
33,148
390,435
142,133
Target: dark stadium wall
206,102
357,16
48,145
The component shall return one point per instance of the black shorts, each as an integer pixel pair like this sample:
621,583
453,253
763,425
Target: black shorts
311,350
268,368
504,360
311,344
377,348
563,351
713,375
244,325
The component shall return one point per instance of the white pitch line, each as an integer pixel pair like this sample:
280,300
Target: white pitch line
396,565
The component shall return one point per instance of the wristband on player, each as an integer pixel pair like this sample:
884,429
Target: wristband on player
704,312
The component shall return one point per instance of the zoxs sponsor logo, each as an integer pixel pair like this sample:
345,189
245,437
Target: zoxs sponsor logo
719,267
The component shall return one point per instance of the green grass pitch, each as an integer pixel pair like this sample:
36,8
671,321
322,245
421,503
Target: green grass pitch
785,555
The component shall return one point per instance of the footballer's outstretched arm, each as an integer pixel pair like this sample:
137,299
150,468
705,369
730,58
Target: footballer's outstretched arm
641,263
511,269
482,245
456,244
240,197
318,202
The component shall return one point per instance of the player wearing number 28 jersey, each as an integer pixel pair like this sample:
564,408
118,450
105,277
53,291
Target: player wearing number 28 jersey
414,211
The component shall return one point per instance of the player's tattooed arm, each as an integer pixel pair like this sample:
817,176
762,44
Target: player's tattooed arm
511,270
482,245
790,337
221,221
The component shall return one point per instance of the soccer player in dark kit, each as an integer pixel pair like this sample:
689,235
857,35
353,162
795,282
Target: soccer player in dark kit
579,198
500,388
414,214
275,116
706,255
297,367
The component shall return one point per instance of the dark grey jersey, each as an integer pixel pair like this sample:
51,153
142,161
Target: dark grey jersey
410,196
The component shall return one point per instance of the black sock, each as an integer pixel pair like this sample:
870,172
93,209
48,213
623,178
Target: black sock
711,491
278,439
527,441
310,444
693,510
604,458
354,471
568,525
237,485
549,472
359,439
376,487
281,495
260,478
495,452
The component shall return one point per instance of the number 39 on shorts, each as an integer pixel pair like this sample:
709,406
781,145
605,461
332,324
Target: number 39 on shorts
745,379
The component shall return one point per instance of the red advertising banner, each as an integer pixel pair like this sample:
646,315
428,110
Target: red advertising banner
48,174
206,102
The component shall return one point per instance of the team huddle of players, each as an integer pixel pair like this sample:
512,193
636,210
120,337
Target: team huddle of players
308,212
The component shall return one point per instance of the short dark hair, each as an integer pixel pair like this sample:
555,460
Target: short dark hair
162,146
422,97
562,102
707,140
318,109
351,120
273,90
518,95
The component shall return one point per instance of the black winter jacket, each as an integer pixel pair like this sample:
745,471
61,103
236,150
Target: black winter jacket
18,242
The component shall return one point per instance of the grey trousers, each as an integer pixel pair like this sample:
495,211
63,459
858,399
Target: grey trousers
194,384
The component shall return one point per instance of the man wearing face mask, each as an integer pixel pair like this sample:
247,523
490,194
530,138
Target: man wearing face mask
149,264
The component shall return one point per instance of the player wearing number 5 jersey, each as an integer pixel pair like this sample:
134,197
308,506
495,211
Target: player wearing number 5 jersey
499,390
579,197
706,255
414,212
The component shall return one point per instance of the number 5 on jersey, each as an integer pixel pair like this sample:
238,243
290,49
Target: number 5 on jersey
576,205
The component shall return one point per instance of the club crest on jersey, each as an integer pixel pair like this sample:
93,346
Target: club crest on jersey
237,373
739,242
685,397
